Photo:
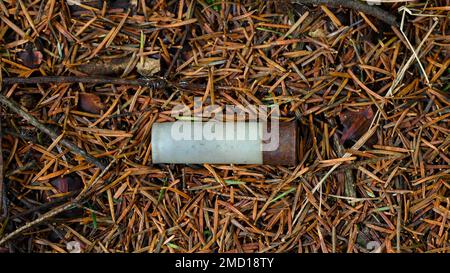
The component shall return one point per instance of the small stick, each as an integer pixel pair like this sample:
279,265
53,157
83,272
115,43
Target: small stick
44,206
69,205
155,83
37,221
356,5
36,123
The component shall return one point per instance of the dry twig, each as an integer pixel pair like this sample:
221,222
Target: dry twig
358,6
12,105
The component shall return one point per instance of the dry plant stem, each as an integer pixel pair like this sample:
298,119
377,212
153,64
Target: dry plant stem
356,5
402,72
36,123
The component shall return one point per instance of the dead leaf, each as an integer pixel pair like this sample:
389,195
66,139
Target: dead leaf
148,66
30,57
67,184
355,123
318,33
90,103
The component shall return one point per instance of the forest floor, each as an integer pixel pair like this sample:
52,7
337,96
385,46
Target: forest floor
368,85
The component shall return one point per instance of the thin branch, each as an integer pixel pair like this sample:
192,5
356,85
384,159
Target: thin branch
82,197
37,221
12,105
155,83
45,206
356,5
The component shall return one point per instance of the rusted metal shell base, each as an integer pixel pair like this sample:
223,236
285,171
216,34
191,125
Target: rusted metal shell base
286,154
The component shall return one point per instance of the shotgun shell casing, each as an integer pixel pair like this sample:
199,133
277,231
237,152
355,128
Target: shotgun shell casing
183,142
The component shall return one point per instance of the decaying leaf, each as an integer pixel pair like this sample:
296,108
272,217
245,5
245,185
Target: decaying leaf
318,33
355,123
90,103
148,66
67,184
30,57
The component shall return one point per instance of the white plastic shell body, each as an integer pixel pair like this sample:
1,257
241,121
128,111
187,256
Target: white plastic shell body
186,142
